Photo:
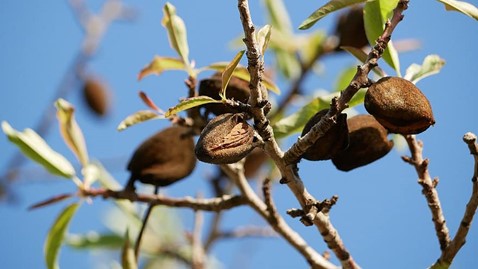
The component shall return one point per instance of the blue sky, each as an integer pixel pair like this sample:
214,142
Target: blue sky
381,214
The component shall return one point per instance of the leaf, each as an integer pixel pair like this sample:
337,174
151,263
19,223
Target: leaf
90,173
311,47
358,98
242,73
287,63
149,102
56,235
362,57
263,38
176,32
70,130
138,117
160,64
278,16
326,9
432,64
461,6
93,240
227,73
190,103
295,123
34,147
51,200
128,259
345,78
376,13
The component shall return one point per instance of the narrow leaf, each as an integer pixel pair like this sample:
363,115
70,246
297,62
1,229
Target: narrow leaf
160,64
138,117
287,63
376,13
70,130
326,9
358,98
190,103
176,32
295,122
51,200
90,173
242,73
344,78
149,102
263,38
56,235
227,73
278,16
128,259
34,147
94,240
362,57
461,6
432,64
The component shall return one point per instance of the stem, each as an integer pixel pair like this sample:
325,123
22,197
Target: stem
143,227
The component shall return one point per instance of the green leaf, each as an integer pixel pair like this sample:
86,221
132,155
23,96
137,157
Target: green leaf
93,240
326,9
287,63
344,78
128,259
56,235
227,73
190,103
461,6
432,64
70,130
278,16
362,57
242,73
311,47
263,38
138,117
358,98
177,34
160,64
34,147
295,123
376,13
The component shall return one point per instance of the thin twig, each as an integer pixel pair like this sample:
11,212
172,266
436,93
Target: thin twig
207,204
198,255
449,253
428,189
236,173
147,214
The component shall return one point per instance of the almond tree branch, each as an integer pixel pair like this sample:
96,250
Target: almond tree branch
428,189
287,162
236,173
210,204
449,253
198,255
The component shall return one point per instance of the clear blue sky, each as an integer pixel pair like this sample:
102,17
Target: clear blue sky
381,214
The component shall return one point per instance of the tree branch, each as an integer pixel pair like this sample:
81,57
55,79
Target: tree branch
428,189
198,255
209,204
449,253
235,172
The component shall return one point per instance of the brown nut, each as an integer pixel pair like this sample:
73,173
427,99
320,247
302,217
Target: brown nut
399,106
368,143
237,89
226,139
96,96
335,140
163,158
350,28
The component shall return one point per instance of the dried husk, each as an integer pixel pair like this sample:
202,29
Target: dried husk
226,139
164,158
368,143
399,106
237,89
335,140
